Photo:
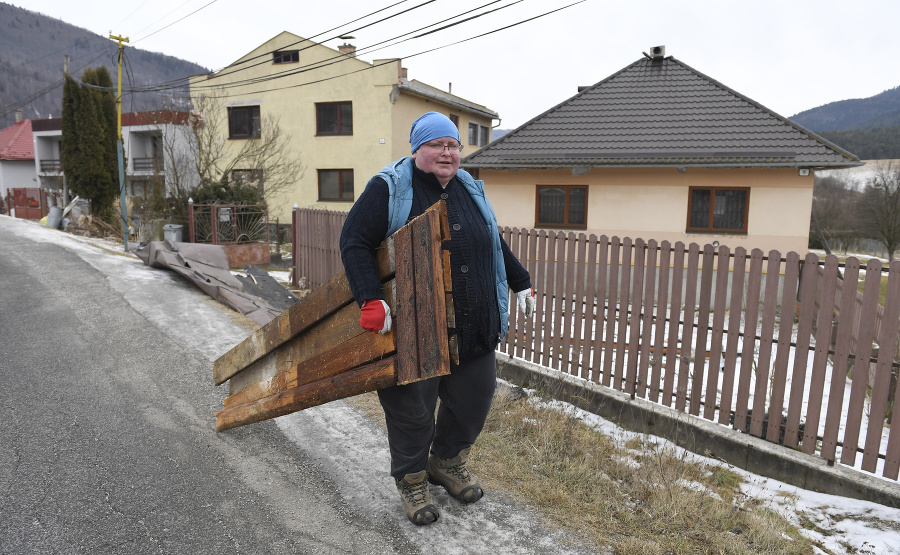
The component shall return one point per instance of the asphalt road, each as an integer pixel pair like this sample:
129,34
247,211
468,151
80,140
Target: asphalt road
107,432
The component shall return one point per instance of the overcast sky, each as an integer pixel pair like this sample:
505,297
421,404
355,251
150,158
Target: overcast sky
789,55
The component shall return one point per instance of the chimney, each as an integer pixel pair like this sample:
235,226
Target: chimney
348,49
404,73
18,116
657,52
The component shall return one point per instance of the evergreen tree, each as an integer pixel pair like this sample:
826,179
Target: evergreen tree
89,140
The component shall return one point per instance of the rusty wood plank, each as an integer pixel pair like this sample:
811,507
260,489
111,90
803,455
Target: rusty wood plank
748,350
650,307
405,320
887,344
662,299
808,275
840,363
319,303
723,258
674,318
370,377
825,292
767,333
612,309
689,351
356,351
736,308
704,302
859,382
785,334
429,303
634,328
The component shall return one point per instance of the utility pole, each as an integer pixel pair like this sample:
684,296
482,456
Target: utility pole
120,149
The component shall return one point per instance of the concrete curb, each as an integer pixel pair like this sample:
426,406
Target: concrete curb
702,436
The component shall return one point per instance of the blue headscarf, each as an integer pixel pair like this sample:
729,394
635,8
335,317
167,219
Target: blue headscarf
431,125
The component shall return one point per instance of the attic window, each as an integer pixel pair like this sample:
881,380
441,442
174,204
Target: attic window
286,56
718,209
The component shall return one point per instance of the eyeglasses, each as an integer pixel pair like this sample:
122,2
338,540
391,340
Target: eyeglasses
439,147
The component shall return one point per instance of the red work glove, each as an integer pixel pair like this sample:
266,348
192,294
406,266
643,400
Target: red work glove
375,316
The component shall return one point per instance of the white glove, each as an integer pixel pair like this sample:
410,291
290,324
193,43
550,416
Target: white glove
375,316
526,301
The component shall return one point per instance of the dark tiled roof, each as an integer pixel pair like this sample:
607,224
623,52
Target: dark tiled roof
660,113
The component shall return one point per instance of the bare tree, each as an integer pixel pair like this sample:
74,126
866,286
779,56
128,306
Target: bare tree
878,208
831,224
269,158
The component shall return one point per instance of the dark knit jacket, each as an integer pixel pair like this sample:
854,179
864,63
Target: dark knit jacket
471,272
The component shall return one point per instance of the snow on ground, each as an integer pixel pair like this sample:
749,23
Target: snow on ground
842,525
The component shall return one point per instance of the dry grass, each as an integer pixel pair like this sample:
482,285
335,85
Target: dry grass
639,497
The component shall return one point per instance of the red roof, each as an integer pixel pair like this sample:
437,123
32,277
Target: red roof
16,142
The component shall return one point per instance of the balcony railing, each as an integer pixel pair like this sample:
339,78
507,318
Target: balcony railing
148,164
51,165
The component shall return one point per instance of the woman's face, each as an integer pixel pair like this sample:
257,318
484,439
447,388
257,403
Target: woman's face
443,163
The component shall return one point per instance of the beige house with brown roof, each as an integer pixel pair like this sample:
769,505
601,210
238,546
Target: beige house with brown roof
347,117
660,151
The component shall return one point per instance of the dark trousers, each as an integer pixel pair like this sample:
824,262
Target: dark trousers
466,394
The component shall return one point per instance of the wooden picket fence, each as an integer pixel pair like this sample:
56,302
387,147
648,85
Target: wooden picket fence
764,343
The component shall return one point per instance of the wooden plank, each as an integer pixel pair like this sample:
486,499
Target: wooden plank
662,299
430,311
783,352
647,314
612,310
559,292
539,307
330,352
567,310
597,353
748,348
767,334
370,377
590,289
318,304
860,380
703,306
723,260
674,318
548,247
887,344
826,292
580,356
624,306
735,309
689,351
833,415
634,321
808,276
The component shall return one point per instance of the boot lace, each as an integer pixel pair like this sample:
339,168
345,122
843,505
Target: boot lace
415,494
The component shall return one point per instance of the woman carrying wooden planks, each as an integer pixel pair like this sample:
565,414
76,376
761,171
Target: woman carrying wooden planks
483,269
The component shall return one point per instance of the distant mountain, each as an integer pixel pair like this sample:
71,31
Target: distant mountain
867,127
32,51
881,110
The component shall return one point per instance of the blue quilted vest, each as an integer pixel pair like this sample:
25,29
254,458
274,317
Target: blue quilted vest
398,176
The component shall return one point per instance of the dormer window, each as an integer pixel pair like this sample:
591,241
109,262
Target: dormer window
286,56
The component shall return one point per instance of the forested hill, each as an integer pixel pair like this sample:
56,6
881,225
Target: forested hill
32,51
867,127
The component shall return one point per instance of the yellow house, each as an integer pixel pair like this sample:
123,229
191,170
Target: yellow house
660,151
347,117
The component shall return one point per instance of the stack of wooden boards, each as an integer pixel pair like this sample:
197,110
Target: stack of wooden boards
316,352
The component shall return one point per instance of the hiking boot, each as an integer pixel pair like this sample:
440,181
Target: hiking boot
416,498
455,477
